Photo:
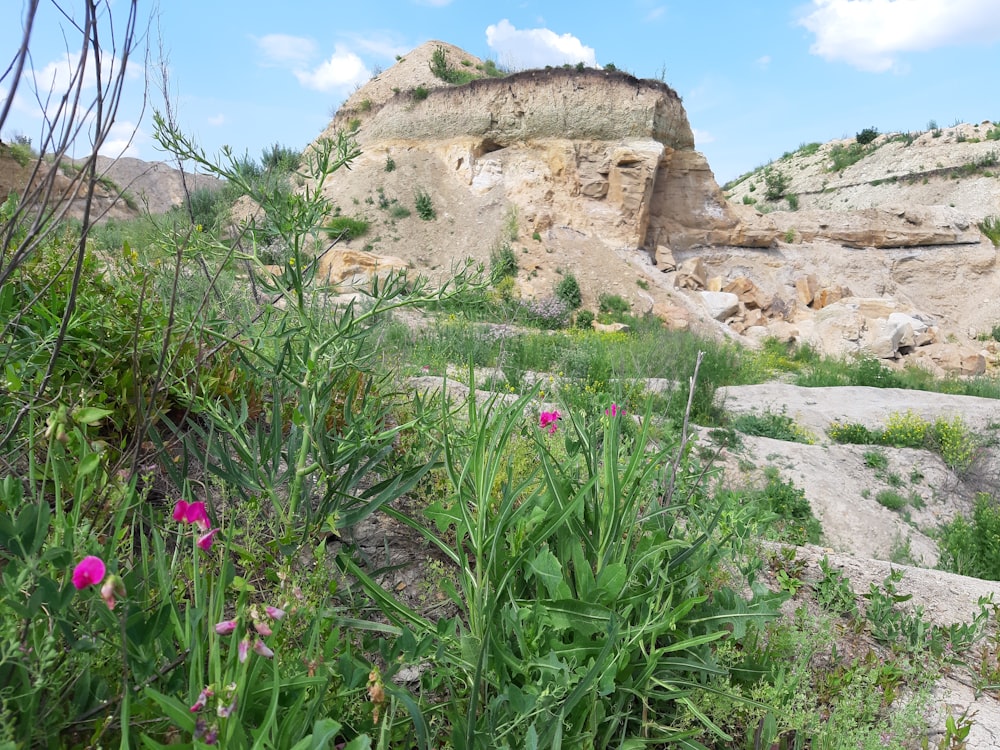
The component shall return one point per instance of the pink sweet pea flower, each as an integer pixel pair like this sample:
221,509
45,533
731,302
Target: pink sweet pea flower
196,513
242,649
549,420
226,627
261,649
89,571
274,613
203,697
613,411
205,540
262,627
113,587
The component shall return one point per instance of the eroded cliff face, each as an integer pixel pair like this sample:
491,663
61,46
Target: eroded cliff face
599,152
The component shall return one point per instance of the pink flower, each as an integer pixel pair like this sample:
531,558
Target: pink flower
226,627
261,649
196,513
262,627
113,587
614,411
549,420
205,540
88,571
242,649
203,697
274,613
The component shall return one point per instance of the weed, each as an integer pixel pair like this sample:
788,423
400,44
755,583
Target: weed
568,290
612,304
344,227
990,226
420,93
503,262
890,499
390,164
776,184
793,205
771,425
834,592
425,208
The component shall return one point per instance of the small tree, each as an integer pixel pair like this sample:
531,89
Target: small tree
568,290
866,136
776,184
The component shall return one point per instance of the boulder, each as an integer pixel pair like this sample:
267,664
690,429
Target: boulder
610,327
353,267
691,274
721,305
664,258
676,317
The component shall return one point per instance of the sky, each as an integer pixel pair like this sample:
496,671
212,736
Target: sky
757,78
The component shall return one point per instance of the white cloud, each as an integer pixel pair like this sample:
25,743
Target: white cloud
536,48
702,136
763,62
380,45
284,49
656,13
871,34
342,71
217,120
123,140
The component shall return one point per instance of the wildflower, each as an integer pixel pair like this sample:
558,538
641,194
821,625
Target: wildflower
262,627
226,627
549,420
88,572
113,587
274,613
614,411
203,697
205,540
195,513
224,710
242,649
261,649
211,736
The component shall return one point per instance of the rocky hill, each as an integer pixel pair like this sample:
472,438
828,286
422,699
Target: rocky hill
596,173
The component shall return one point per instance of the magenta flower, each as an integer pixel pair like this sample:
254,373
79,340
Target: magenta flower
549,420
274,613
226,627
89,571
203,697
261,649
205,540
195,513
614,411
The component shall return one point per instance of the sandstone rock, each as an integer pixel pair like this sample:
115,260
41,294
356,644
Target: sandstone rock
714,284
828,295
677,318
610,327
806,288
721,305
354,267
691,274
782,331
955,359
664,258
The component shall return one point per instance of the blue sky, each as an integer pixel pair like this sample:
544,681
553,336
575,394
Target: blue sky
757,78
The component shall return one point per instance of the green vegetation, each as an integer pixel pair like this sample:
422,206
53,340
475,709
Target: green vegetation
424,206
776,184
344,227
20,150
390,164
568,290
420,93
950,438
969,544
503,262
841,157
990,226
441,68
771,425
866,136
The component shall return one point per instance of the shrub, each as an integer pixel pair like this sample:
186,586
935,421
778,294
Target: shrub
851,433
21,151
842,157
584,319
771,425
425,209
904,430
990,226
390,164
346,228
207,207
866,136
420,93
280,159
793,201
612,304
399,211
441,69
503,262
776,184
891,499
954,442
993,134
568,290
969,546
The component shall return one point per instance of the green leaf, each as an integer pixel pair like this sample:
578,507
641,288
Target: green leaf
88,465
90,415
176,711
549,572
